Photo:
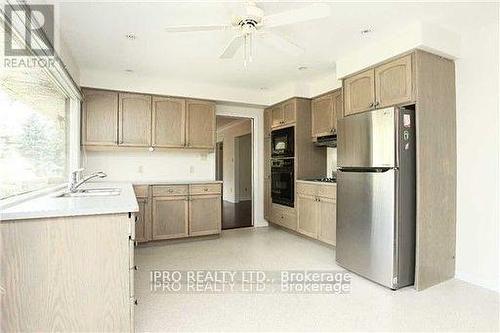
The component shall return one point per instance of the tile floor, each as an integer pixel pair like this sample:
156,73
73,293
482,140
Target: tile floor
450,306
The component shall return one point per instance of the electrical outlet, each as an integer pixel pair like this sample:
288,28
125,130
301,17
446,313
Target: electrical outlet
140,169
191,169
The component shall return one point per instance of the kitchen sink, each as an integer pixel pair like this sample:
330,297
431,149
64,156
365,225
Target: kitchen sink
92,192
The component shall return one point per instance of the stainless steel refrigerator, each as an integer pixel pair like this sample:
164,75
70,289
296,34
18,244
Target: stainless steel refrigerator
376,195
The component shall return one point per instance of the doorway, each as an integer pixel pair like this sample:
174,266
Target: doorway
234,160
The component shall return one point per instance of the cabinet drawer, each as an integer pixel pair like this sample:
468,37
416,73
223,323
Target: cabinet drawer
141,191
327,191
308,189
284,216
205,189
318,190
166,190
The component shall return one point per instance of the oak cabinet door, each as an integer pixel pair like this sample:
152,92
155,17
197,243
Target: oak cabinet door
204,215
289,112
327,211
169,122
100,118
393,82
267,123
200,124
322,114
277,116
142,220
307,221
359,92
134,120
170,217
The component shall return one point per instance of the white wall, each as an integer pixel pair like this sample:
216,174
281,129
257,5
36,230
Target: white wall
152,84
478,197
172,165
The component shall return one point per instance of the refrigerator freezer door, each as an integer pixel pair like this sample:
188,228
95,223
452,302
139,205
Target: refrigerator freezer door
368,139
366,224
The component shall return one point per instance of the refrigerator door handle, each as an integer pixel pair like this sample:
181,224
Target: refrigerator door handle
372,170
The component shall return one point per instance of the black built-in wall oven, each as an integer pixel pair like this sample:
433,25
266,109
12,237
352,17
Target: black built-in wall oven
282,141
283,167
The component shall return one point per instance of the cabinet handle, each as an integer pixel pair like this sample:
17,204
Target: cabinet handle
205,189
136,219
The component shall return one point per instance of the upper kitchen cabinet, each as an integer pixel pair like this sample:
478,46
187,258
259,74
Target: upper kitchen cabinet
393,82
169,119
134,120
289,112
277,115
100,118
388,84
324,111
283,114
120,120
200,124
359,92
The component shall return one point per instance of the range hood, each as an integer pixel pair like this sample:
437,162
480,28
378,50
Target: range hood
327,141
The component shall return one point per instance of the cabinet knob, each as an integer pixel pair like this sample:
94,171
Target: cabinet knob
136,219
170,191
205,189
151,149
377,103
135,302
371,104
135,267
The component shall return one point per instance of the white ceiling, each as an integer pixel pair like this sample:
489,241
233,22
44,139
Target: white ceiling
95,34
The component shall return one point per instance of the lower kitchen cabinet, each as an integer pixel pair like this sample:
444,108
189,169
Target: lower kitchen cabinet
327,220
170,217
284,216
204,215
68,274
307,209
178,211
317,211
142,219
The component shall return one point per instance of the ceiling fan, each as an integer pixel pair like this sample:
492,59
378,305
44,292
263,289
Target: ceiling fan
254,23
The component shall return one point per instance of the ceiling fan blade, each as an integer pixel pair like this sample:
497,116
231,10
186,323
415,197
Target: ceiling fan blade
196,28
232,47
282,43
311,12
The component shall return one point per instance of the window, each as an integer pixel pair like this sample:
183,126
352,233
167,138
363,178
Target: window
33,132
34,128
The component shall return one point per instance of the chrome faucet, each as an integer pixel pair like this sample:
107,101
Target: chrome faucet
75,180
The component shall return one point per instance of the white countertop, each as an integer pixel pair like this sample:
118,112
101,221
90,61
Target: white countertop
50,205
315,182
175,182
